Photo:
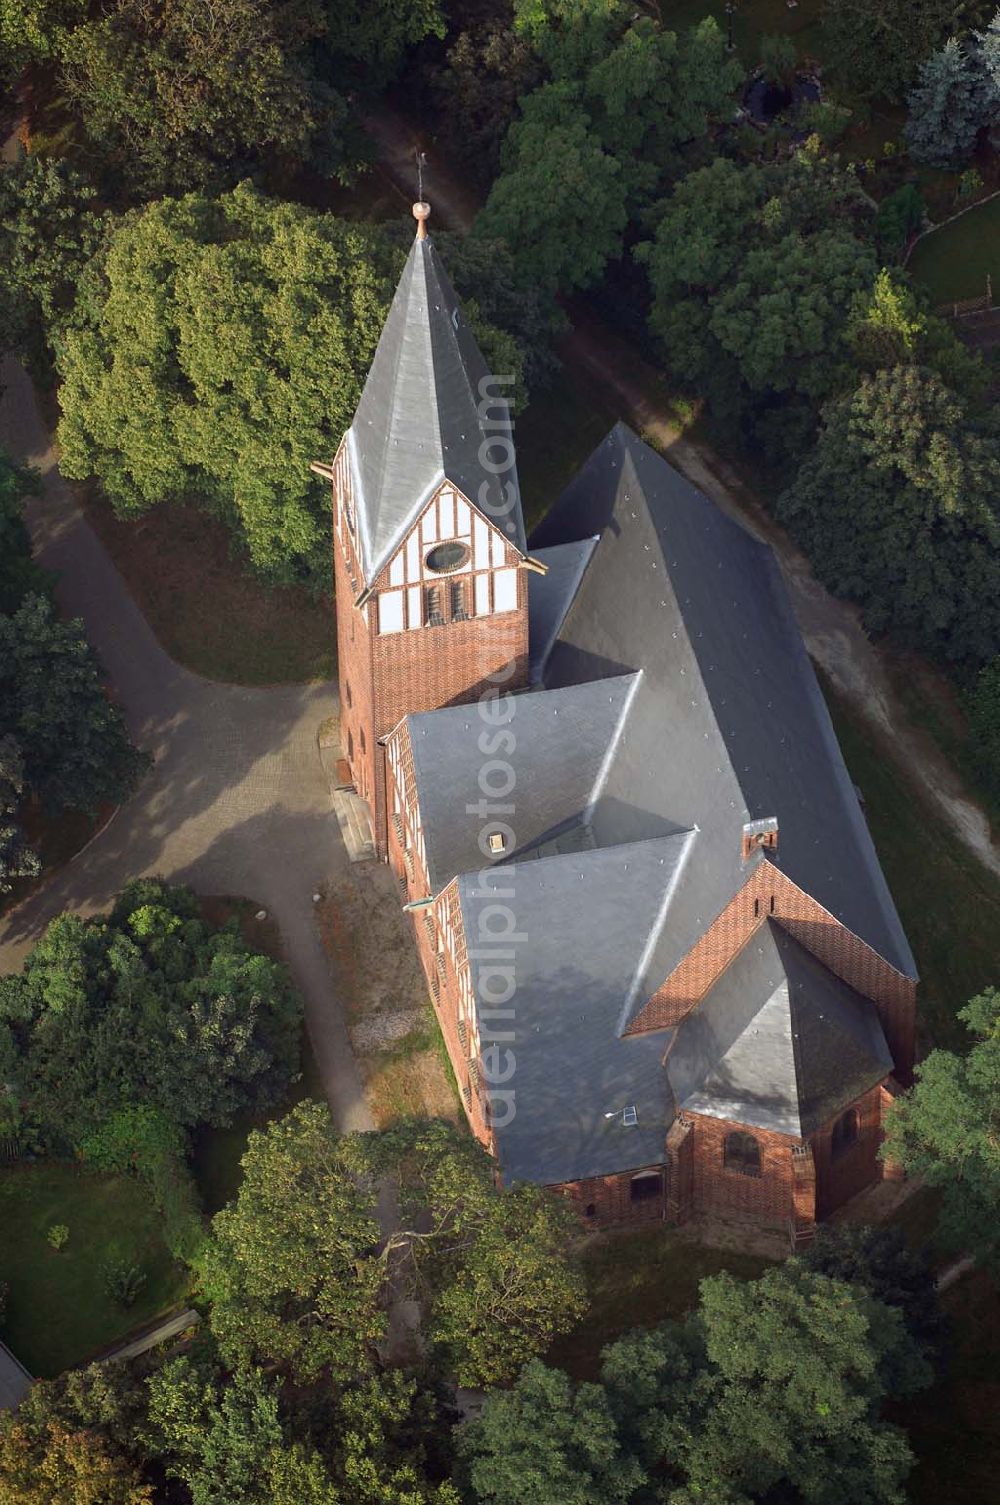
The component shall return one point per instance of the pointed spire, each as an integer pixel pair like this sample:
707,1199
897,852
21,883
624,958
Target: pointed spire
430,412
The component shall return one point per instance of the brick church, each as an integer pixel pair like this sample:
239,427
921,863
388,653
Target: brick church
664,958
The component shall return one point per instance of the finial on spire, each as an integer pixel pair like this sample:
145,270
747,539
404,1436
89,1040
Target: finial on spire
420,214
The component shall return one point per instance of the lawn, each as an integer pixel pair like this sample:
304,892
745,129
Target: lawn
58,1312
554,435
954,262
953,922
637,1279
752,20
955,1426
208,611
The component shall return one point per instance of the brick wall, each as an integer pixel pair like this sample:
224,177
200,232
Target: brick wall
607,1201
840,1177
767,1198
769,893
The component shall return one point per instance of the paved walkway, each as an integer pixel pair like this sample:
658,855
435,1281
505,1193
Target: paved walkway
237,802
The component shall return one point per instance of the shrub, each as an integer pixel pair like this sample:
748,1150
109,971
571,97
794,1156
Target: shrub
58,1236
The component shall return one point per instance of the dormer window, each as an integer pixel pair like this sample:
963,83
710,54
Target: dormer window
445,558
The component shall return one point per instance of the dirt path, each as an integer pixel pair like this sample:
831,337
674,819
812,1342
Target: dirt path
832,629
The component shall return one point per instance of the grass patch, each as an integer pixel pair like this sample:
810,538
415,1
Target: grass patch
58,1312
935,706
752,20
205,607
554,436
954,262
638,1279
954,1427
953,922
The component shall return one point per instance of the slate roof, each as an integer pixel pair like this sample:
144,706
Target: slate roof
585,922
563,742
419,420
550,597
728,723
778,1042
15,1381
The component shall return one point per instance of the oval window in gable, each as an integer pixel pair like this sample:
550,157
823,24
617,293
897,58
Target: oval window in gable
445,557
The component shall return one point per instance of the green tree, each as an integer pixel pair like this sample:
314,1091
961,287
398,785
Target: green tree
19,574
880,1260
289,1269
33,31
946,108
754,270
188,95
897,509
559,202
875,50
64,1468
900,215
487,70
498,1266
221,345
150,1006
225,1441
73,739
945,1130
48,231
778,58
773,1391
370,38
17,859
888,326
546,1439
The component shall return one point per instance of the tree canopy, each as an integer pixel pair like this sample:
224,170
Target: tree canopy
876,50
771,1390
48,231
754,270
148,1006
623,102
290,1270
219,346
945,1130
897,508
491,1262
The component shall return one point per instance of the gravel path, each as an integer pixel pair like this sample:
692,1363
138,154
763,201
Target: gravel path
236,802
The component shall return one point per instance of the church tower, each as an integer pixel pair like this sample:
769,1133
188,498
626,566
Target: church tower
429,545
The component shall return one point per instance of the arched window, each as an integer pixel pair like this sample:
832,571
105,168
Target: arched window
645,1186
845,1132
590,1211
742,1153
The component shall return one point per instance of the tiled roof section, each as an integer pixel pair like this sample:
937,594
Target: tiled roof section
583,922
551,595
728,724
422,418
778,1042
563,742
15,1381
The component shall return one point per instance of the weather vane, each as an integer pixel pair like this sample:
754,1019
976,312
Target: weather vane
421,159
